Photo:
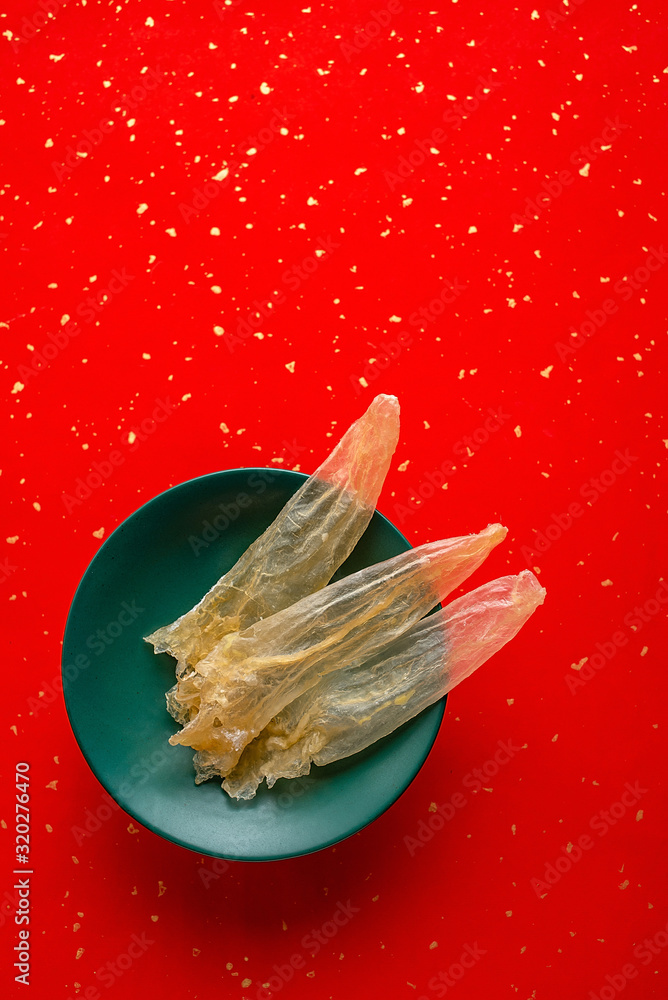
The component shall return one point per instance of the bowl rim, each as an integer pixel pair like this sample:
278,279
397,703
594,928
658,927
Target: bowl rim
437,708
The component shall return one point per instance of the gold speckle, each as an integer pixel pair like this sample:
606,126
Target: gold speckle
432,807
49,828
80,952
133,891
53,784
196,952
285,926
162,888
75,927
623,885
75,860
154,918
246,982
132,828
434,944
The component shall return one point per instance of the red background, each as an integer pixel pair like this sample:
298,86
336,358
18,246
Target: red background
557,75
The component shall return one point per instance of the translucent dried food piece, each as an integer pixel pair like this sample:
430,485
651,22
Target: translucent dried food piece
352,708
250,676
300,551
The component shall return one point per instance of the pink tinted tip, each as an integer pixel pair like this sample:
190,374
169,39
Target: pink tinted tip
478,624
453,560
360,461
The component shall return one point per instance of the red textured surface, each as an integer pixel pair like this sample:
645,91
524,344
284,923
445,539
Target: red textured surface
555,78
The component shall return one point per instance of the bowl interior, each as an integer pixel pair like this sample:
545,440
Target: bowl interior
153,568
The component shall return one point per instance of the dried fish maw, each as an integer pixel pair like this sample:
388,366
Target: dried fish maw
300,551
250,676
350,709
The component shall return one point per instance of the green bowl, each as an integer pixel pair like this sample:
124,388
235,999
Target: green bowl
153,568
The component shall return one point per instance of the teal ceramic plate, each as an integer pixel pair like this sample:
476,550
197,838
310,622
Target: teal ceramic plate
152,569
